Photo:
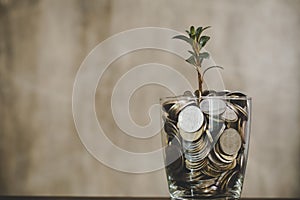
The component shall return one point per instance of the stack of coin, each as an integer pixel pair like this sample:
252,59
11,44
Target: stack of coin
205,141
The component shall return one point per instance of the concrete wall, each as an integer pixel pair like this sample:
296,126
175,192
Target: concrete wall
43,42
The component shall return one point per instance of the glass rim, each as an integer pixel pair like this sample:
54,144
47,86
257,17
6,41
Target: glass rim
183,97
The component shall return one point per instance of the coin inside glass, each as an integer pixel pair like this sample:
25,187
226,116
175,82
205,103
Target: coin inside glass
213,106
229,115
230,141
190,119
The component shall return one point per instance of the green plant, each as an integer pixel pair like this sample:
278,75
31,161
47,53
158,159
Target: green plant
197,41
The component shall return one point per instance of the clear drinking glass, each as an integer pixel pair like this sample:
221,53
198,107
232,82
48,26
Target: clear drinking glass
206,144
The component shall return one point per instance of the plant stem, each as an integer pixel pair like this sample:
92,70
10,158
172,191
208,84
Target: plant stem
199,82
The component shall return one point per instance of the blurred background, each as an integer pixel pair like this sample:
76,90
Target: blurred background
43,43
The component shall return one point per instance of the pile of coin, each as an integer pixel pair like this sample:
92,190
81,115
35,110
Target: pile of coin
205,141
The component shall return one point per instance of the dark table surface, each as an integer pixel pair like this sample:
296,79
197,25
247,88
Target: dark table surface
98,198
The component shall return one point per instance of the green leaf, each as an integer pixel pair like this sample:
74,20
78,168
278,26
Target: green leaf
193,53
184,38
204,55
199,30
205,28
198,33
192,30
203,40
191,60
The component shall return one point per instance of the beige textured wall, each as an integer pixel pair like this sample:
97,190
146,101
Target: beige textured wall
42,44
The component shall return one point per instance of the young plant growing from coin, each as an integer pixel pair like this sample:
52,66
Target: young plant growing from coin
197,41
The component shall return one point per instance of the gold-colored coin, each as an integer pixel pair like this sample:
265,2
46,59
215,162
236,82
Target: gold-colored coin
241,128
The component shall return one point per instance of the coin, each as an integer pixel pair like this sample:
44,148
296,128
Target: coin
206,137
229,115
241,129
211,171
197,153
195,166
193,146
190,119
219,155
223,179
242,112
230,141
188,94
231,180
208,93
170,127
168,104
241,160
190,136
177,108
212,106
222,92
193,176
238,98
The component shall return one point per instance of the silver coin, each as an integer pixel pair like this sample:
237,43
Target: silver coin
168,104
230,141
188,94
195,145
178,107
238,98
170,127
222,181
195,166
218,154
190,119
213,160
241,160
242,129
242,112
192,175
218,163
231,180
229,115
213,106
194,140
210,171
190,136
198,155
